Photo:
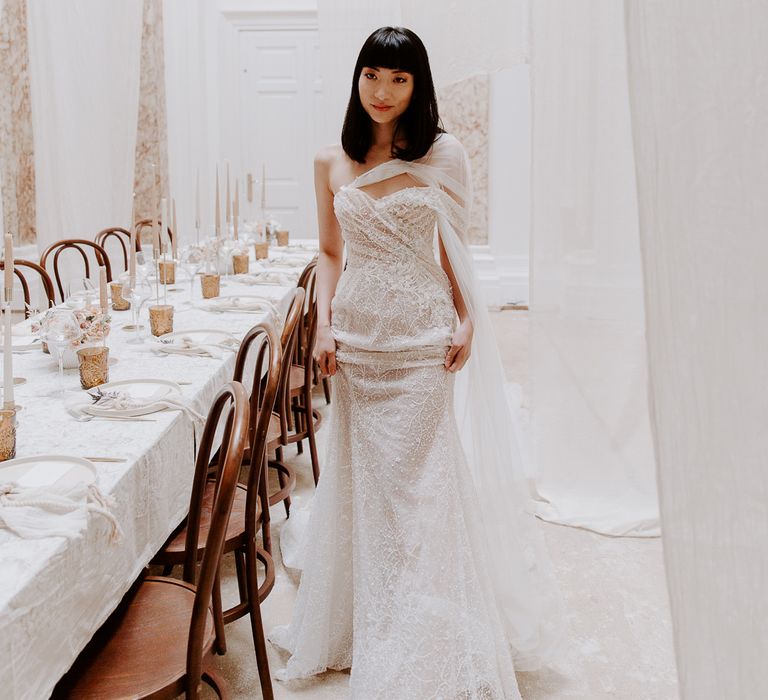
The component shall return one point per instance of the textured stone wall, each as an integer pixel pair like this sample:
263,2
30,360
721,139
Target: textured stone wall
16,146
151,173
464,109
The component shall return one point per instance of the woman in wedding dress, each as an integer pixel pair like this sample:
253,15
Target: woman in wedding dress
420,569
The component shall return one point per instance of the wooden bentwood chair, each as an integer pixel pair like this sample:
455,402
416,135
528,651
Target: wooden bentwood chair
81,246
250,504
45,280
123,239
159,642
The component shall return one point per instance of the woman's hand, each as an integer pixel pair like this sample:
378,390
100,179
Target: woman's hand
461,347
325,350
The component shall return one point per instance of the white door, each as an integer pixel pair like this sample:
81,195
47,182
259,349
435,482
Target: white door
280,94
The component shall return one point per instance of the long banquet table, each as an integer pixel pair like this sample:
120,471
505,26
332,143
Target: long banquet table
54,592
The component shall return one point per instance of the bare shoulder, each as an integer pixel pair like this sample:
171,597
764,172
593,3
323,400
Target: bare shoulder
328,156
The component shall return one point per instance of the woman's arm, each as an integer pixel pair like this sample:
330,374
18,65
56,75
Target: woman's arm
329,262
461,343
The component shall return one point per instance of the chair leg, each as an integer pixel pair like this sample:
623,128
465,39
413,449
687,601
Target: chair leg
287,499
311,435
218,616
215,681
266,535
257,628
242,586
327,389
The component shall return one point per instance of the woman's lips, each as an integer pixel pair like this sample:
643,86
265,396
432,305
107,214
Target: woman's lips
382,108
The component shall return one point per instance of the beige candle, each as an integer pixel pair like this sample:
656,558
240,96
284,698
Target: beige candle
132,258
175,239
103,288
218,206
229,203
197,201
236,205
8,399
249,185
263,187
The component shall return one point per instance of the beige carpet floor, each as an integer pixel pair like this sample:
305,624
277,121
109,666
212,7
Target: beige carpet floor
619,634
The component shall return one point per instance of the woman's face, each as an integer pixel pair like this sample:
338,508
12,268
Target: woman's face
385,94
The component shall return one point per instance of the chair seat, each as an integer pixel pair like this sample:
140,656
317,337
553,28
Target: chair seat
173,551
146,650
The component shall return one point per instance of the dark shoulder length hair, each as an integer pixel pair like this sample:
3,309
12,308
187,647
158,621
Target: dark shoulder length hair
395,48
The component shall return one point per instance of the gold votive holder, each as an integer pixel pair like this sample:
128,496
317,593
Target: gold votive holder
93,364
161,319
167,271
262,250
282,238
7,433
45,347
211,285
240,263
119,302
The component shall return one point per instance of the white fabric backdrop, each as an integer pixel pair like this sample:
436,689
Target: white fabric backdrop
698,76
592,444
84,76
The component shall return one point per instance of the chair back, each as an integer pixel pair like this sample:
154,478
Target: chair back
51,257
144,228
261,342
45,281
306,340
288,340
226,474
123,238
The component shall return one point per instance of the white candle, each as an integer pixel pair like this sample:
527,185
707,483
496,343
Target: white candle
236,205
132,259
263,187
229,203
218,206
103,288
7,339
175,239
197,200
163,225
250,188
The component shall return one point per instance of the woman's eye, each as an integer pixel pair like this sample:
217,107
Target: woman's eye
370,76
400,80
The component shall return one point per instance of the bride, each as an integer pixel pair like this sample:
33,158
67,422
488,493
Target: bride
421,570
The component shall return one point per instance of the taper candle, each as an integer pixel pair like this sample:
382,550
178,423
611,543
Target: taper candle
103,288
197,200
263,187
236,205
218,206
163,224
249,186
8,261
132,259
7,338
175,239
228,211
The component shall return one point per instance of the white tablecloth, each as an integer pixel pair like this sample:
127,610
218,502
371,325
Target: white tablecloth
55,593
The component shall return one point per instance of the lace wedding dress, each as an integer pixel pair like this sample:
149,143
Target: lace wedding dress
399,582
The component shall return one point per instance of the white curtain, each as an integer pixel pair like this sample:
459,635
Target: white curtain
591,433
84,76
699,88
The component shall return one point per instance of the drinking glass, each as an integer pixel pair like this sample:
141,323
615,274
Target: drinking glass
136,290
191,258
60,329
80,293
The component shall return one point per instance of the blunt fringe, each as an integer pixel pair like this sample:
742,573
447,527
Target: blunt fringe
395,48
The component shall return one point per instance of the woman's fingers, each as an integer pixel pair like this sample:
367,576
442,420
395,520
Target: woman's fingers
331,363
327,362
459,359
451,356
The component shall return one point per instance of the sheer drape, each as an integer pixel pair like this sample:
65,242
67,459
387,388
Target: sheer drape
698,73
84,75
591,433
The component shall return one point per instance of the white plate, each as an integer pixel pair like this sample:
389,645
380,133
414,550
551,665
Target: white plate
21,343
47,470
151,390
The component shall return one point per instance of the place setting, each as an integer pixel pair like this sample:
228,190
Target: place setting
200,343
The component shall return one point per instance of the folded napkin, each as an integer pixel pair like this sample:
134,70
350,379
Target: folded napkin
51,511
186,346
244,304
284,278
120,401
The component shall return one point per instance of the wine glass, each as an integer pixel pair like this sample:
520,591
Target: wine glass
80,294
60,329
191,258
136,290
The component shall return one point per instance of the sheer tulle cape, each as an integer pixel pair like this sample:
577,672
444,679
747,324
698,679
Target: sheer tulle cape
528,601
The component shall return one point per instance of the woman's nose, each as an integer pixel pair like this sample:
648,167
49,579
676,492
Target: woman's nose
381,93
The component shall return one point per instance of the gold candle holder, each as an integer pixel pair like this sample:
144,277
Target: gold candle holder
211,285
282,238
240,263
119,303
7,433
93,364
167,272
262,250
161,319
